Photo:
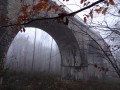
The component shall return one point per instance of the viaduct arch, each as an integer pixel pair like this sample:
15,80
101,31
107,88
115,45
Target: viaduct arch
74,41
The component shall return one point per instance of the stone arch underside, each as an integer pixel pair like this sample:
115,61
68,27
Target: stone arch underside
73,48
67,43
73,41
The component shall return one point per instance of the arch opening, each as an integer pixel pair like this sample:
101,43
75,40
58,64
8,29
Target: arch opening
67,43
34,50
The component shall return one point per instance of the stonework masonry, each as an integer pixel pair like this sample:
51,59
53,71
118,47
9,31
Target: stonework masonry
77,43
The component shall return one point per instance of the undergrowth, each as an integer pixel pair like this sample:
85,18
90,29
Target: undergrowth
40,81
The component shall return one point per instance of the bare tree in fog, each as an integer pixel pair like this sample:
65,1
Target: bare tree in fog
34,50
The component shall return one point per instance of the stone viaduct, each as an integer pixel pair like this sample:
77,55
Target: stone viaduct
80,47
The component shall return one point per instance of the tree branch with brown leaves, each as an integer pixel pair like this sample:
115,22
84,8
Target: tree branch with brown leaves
25,21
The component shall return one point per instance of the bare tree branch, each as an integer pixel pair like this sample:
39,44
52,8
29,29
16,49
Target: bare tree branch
60,16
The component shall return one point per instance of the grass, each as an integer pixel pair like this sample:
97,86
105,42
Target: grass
38,81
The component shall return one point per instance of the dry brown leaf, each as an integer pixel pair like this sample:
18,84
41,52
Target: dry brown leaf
111,2
91,13
98,10
85,19
81,1
24,30
104,11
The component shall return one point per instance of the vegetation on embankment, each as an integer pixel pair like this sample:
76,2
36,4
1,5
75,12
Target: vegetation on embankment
28,81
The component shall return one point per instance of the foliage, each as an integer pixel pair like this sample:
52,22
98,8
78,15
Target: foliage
30,12
38,81
101,69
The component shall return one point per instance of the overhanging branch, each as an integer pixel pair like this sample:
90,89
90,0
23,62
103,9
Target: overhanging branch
60,16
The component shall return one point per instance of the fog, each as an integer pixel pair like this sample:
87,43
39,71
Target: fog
34,51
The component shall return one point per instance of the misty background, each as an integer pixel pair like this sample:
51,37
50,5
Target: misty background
34,51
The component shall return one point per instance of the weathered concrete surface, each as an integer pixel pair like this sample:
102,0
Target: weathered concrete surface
74,41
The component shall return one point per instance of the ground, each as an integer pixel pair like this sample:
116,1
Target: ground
38,81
